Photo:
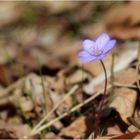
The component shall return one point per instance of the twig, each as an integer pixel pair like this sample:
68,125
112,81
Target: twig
68,112
73,90
124,85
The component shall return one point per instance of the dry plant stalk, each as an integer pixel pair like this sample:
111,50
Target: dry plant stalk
38,126
68,112
138,67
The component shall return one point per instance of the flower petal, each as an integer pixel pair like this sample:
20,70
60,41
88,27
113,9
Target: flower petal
86,57
109,46
102,40
88,45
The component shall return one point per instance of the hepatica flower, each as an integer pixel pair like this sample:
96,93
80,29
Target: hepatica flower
96,50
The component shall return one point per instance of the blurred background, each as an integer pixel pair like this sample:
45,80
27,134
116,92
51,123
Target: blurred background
42,39
49,31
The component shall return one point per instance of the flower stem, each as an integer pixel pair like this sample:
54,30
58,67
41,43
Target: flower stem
98,116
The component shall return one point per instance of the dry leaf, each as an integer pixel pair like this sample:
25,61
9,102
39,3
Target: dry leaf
132,128
76,77
127,76
124,102
76,130
9,131
114,130
126,25
50,135
134,135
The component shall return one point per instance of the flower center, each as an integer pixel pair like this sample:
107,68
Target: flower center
96,51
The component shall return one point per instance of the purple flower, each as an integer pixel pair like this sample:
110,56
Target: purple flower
96,50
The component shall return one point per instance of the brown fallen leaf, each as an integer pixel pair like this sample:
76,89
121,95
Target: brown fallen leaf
50,135
104,138
76,77
134,135
67,77
114,130
7,134
124,102
132,128
126,25
68,50
8,131
76,130
127,76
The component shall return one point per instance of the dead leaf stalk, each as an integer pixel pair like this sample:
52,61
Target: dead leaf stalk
72,91
68,112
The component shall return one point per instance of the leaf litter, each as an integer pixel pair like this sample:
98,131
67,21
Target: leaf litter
45,92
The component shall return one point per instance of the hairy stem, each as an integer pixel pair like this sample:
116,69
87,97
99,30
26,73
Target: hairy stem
98,116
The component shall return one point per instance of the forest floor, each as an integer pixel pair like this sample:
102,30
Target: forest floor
45,90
